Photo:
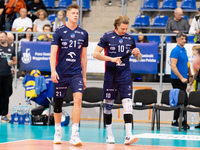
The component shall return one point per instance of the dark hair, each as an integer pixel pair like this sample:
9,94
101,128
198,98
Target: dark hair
180,34
31,33
46,25
144,40
3,32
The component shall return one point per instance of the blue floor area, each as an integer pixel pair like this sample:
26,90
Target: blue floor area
167,136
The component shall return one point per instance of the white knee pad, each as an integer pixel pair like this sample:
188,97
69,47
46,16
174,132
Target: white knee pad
108,106
127,104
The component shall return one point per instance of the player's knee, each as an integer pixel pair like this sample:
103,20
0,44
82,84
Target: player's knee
108,106
77,101
127,105
58,105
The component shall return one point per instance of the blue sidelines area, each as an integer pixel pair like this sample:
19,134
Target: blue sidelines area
167,136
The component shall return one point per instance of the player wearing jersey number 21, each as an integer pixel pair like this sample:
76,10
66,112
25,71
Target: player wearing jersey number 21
118,43
68,62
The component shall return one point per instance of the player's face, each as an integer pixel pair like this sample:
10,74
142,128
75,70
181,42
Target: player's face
72,15
181,41
3,38
122,28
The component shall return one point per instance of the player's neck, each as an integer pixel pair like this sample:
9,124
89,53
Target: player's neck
4,44
71,25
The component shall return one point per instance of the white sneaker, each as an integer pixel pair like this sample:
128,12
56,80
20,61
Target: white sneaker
130,140
75,140
110,139
57,138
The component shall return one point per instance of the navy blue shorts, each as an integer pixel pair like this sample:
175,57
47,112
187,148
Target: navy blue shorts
75,82
124,88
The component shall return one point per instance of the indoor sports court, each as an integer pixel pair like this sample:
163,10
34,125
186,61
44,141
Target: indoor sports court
36,137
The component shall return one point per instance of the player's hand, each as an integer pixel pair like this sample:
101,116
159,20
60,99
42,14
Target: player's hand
84,83
54,77
189,88
13,70
116,60
184,80
10,63
135,51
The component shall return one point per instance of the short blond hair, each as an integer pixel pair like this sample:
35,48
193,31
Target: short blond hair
196,47
44,12
71,6
121,19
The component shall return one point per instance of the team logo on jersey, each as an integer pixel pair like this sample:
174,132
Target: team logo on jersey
120,41
71,54
64,31
64,43
112,48
72,35
113,37
9,49
26,58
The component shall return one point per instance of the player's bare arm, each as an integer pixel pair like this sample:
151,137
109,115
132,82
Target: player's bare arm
175,70
84,65
54,75
98,55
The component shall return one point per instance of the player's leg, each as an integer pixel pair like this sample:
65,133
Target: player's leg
125,90
57,119
128,118
109,95
76,85
108,121
59,94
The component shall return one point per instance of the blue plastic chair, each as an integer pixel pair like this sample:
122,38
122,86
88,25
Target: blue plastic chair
160,20
52,18
64,3
168,39
190,39
188,4
186,17
49,3
153,39
142,20
150,4
169,4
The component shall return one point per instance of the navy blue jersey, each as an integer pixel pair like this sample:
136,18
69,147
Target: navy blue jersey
70,43
117,46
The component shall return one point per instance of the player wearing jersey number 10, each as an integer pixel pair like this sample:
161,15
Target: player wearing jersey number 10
68,62
116,44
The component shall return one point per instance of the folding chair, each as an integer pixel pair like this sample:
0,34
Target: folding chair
192,101
163,107
145,99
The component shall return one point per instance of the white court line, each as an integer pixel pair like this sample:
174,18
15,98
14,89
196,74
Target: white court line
168,136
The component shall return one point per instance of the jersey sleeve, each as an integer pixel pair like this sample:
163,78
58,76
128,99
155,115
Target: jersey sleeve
85,44
174,54
103,42
56,37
